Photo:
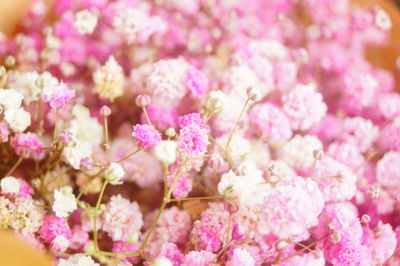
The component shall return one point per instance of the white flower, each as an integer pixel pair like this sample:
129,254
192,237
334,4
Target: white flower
165,151
114,174
84,127
18,119
248,189
77,260
64,201
25,83
10,99
85,21
75,152
162,261
60,243
109,80
10,184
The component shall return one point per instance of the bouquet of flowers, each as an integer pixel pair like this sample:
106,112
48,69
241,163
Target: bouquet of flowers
200,132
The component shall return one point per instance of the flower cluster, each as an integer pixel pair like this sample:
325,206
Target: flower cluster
194,132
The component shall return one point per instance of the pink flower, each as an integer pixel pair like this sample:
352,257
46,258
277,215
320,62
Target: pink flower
192,118
27,145
293,206
172,252
122,219
54,226
4,132
197,82
388,105
182,188
360,132
388,169
146,135
240,257
57,96
163,118
125,247
346,153
304,107
335,180
385,243
193,140
25,190
271,121
198,258
79,237
389,137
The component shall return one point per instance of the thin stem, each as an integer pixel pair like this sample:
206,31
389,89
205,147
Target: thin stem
146,114
40,113
127,156
95,233
107,144
236,124
228,157
166,200
199,198
19,161
55,133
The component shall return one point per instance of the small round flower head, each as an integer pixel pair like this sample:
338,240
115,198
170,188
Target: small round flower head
10,185
197,82
293,206
360,132
122,218
77,260
335,180
193,140
192,118
64,202
109,80
388,169
168,79
389,137
143,100
304,107
382,19
27,145
57,96
114,174
54,226
346,153
18,119
389,105
165,151
198,258
85,21
60,244
125,247
241,257
271,121
182,187
146,135
105,110
298,152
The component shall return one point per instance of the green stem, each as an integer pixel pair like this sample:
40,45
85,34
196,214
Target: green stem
236,124
146,114
95,233
127,156
20,159
55,133
200,198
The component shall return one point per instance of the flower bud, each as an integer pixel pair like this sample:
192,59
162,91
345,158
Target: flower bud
10,61
170,132
281,244
2,71
335,237
318,154
230,207
114,174
253,94
143,100
365,218
105,110
374,192
165,151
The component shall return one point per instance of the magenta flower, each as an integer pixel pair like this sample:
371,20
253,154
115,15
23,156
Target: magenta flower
146,135
193,140
57,96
